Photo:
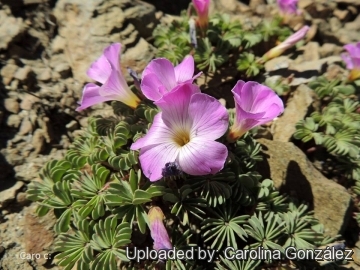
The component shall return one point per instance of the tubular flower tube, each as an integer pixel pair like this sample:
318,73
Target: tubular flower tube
352,60
286,44
288,7
185,132
202,10
106,70
255,104
157,229
160,76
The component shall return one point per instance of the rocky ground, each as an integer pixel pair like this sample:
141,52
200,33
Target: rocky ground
46,47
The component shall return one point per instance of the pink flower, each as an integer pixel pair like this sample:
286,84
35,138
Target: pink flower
185,132
286,44
106,70
202,9
157,229
288,6
255,105
352,60
160,76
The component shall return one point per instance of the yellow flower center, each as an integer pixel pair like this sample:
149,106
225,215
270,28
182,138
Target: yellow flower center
182,137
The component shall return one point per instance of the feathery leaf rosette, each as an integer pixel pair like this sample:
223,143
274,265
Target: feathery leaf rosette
255,104
185,131
157,229
160,76
106,70
286,44
202,10
288,6
352,60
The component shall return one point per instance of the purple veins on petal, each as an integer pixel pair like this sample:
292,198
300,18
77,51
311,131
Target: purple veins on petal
185,131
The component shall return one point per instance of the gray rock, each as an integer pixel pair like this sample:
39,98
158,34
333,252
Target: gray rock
294,174
295,110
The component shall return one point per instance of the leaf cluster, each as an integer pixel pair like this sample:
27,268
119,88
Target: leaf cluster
225,41
335,125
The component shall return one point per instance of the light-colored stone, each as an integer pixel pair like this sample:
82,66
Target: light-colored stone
354,25
44,75
277,63
84,36
138,56
26,126
13,120
314,65
28,101
295,110
11,105
311,51
329,49
342,15
294,174
23,73
38,141
9,193
73,125
10,28
7,73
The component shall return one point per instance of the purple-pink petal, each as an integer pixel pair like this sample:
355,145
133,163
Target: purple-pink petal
116,88
164,70
201,6
352,57
112,53
154,157
161,77
157,229
152,87
91,96
174,106
288,6
159,134
185,70
255,104
353,49
202,157
100,70
212,124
